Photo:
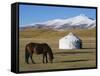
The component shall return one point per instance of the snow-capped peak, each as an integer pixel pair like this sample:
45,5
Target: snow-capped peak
80,21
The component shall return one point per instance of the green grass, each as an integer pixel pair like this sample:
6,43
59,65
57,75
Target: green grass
63,59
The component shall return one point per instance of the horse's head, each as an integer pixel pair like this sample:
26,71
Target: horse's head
49,51
51,59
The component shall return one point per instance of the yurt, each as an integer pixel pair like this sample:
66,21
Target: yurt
71,41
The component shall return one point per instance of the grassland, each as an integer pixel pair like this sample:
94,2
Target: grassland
63,59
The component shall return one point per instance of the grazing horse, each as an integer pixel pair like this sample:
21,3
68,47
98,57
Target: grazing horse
38,48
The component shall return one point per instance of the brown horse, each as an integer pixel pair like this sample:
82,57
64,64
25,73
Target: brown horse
38,48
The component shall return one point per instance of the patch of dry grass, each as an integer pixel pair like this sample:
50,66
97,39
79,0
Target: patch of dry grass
35,33
64,59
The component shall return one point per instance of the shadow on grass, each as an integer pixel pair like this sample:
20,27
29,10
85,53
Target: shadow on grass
68,61
73,52
65,61
74,60
88,48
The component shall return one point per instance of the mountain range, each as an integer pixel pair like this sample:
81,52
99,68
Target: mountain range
78,22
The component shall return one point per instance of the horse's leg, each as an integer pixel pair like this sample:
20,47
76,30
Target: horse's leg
46,58
26,57
32,59
43,58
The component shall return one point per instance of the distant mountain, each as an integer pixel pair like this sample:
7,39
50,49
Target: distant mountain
81,22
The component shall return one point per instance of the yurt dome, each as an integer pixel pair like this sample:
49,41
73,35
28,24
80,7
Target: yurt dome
70,41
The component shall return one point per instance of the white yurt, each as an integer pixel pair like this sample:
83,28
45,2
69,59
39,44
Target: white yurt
70,41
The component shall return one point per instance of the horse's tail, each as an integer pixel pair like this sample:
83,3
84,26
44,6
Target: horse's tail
26,54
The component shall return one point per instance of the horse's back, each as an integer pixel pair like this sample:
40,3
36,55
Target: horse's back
32,44
35,48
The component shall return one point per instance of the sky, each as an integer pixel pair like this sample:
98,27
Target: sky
30,14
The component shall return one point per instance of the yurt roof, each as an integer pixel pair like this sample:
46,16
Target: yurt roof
71,36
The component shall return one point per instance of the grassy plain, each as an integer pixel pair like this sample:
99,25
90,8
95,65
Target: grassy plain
63,59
